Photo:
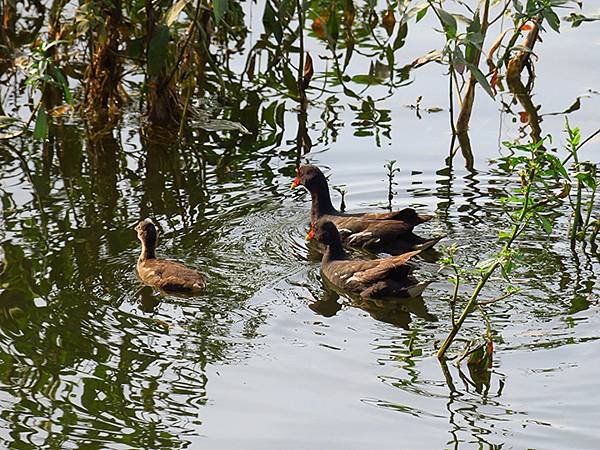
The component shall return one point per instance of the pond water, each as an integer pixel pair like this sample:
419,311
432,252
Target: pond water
268,357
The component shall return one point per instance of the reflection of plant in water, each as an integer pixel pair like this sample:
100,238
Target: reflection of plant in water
370,120
342,191
330,118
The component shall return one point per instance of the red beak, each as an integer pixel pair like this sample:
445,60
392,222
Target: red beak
296,182
310,235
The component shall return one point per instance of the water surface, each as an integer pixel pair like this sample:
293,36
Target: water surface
268,357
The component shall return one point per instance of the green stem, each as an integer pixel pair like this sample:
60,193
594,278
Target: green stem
588,216
454,296
594,234
517,230
576,216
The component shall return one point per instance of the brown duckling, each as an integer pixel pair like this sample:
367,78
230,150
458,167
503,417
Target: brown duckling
165,275
375,278
391,232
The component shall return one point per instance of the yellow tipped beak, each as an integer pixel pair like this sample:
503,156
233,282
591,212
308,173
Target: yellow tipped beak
310,235
296,182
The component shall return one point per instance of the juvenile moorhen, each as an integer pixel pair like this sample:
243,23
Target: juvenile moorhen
165,275
376,278
391,232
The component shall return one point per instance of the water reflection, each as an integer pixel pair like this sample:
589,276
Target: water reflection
393,311
80,356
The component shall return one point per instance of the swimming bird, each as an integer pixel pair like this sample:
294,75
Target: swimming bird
391,232
159,273
375,278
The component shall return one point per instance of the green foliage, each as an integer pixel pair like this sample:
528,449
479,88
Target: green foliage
192,45
40,130
540,174
157,50
220,7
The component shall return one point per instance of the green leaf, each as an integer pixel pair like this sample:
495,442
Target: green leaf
58,76
544,223
481,79
475,24
422,13
135,48
290,82
586,179
271,22
486,264
332,26
518,6
40,130
220,7
7,120
269,115
557,165
349,50
365,79
157,50
506,268
280,113
174,11
449,22
401,36
350,93
552,19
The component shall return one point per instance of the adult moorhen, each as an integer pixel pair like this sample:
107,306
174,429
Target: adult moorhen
165,275
375,278
391,232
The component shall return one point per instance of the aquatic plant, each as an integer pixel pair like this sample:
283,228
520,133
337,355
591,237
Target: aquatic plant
392,170
545,183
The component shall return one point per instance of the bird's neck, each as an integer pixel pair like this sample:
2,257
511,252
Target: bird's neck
321,202
334,252
147,252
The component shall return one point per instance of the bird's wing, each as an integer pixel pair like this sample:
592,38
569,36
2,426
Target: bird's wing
393,268
407,215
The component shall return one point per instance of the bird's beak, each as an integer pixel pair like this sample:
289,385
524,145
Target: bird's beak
310,235
296,182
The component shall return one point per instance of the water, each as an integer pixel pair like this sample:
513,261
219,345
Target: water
268,357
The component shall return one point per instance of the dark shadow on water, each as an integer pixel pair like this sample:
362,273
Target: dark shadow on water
462,405
396,311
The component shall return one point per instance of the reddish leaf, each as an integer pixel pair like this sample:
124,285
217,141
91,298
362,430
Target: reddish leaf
489,353
308,71
524,117
526,26
434,55
349,13
389,21
60,110
318,26
251,67
494,80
